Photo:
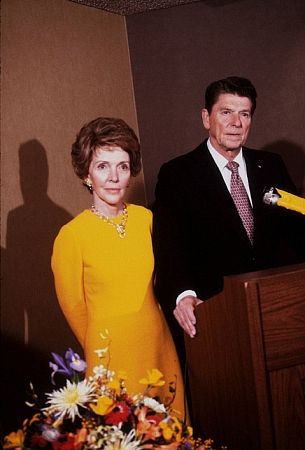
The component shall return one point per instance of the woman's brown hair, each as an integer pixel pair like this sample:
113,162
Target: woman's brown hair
104,132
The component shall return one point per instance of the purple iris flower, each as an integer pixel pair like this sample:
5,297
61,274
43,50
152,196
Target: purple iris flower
59,367
69,367
74,361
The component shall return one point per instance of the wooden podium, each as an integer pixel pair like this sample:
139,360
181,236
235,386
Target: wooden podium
247,362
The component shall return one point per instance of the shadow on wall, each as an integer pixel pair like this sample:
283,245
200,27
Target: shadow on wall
32,323
294,158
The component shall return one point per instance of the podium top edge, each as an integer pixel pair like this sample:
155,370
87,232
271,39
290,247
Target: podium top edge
252,276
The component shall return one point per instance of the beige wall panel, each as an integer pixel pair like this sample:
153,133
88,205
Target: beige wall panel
63,64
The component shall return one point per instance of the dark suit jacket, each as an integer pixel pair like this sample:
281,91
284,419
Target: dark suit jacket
198,235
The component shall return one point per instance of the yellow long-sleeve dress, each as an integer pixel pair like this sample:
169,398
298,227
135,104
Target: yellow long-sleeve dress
105,282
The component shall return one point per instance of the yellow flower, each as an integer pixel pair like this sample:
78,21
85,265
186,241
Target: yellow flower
189,431
14,440
166,431
103,406
171,429
153,379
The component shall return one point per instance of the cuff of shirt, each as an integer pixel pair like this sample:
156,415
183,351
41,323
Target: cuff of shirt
185,294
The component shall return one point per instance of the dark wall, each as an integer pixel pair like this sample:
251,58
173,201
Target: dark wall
176,52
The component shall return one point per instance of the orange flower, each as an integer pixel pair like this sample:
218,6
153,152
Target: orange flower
80,438
14,440
148,426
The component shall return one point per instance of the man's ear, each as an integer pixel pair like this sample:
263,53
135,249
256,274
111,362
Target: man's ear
205,118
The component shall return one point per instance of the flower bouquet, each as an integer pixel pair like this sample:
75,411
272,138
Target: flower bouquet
98,413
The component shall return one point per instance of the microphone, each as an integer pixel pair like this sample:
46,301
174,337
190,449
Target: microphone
274,196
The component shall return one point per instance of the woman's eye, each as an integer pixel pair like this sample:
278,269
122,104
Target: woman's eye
102,166
125,167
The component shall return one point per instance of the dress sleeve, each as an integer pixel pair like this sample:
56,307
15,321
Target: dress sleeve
150,220
67,266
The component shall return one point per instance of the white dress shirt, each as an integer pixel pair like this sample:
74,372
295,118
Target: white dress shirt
226,173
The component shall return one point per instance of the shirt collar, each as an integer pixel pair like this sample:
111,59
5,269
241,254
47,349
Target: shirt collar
220,160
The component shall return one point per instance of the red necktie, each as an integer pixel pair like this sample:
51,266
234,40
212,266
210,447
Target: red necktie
241,199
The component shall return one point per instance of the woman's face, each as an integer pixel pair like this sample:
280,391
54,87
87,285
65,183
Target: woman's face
109,173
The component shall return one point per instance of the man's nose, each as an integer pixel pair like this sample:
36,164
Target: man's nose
236,120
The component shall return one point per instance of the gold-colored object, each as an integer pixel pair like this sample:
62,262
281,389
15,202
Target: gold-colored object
88,183
275,196
120,227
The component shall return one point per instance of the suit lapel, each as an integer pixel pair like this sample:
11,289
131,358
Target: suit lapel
216,197
207,176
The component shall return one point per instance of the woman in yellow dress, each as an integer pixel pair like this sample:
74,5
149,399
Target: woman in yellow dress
103,263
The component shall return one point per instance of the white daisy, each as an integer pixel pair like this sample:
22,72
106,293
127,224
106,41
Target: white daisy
66,400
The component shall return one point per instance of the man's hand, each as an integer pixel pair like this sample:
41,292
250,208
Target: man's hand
184,313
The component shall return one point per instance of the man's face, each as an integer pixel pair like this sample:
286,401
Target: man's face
228,123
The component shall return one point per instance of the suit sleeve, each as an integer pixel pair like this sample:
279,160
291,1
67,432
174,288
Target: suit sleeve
67,266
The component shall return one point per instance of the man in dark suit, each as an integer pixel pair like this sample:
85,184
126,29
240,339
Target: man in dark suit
199,236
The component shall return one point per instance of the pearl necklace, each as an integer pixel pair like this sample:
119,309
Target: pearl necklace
120,227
